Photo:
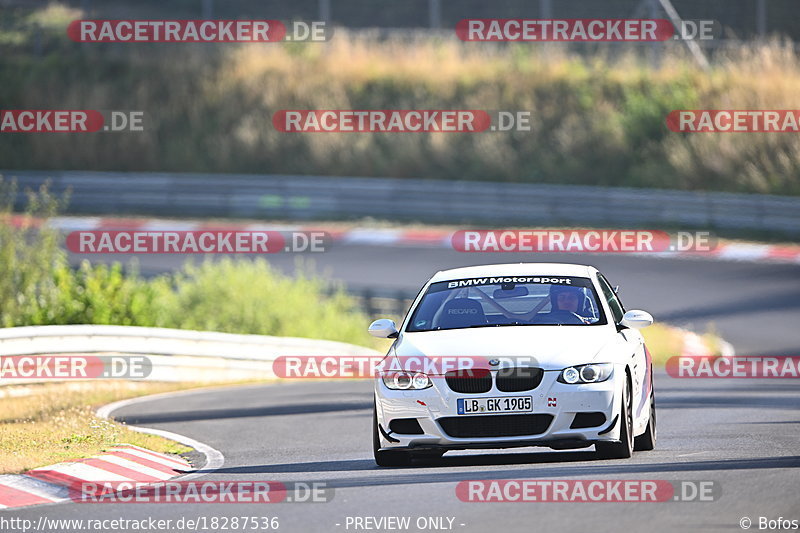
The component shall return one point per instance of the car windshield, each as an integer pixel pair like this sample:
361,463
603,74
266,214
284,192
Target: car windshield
507,301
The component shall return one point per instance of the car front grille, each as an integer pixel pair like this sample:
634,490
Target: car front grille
518,379
479,380
495,425
471,381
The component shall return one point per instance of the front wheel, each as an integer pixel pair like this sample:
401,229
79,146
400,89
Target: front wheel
386,457
624,448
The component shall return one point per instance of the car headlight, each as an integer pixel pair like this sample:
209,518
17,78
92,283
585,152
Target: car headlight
592,373
406,380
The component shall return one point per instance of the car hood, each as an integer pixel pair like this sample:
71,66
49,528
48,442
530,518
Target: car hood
552,347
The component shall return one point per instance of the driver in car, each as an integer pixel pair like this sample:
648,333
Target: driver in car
569,299
565,298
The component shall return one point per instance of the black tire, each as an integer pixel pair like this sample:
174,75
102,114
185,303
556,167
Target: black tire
386,457
622,449
647,441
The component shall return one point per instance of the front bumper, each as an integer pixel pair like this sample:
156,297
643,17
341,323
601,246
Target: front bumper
551,423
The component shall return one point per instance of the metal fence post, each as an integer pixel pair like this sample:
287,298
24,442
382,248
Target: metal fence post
435,13
655,47
37,40
325,10
761,18
207,9
368,304
400,304
545,9
694,48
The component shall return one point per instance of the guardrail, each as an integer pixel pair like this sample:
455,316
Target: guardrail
175,355
429,201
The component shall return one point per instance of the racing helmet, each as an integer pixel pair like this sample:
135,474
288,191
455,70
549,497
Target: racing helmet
579,293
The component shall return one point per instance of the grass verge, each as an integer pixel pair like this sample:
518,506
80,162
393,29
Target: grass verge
43,424
665,341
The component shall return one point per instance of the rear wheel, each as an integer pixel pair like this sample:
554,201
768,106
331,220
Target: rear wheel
386,457
647,441
624,448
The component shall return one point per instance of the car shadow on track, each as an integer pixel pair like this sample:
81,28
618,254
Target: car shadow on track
353,465
416,476
457,460
767,387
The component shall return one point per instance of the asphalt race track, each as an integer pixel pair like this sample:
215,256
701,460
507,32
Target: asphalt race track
741,435
744,435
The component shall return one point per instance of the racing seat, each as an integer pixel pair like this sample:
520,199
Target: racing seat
462,313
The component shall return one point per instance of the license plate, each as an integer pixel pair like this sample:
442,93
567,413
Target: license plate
506,404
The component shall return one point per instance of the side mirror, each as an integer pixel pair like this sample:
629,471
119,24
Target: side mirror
636,319
383,328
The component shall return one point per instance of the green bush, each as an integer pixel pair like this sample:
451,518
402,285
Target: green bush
38,287
251,297
30,258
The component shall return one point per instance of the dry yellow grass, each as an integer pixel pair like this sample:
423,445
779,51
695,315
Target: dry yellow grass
663,342
597,119
42,424
618,102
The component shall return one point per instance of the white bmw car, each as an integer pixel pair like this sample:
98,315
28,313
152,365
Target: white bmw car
501,356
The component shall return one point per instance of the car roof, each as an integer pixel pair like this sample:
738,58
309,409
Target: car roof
515,269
